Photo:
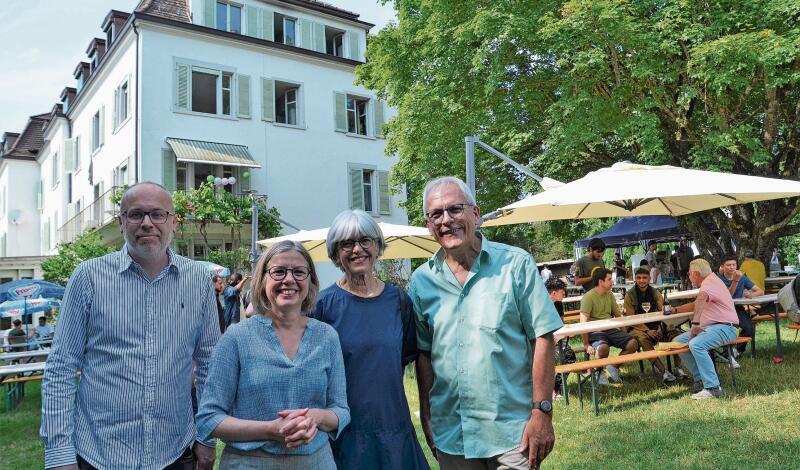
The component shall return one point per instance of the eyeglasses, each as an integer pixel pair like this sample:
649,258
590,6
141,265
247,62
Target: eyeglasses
455,211
157,216
278,273
365,243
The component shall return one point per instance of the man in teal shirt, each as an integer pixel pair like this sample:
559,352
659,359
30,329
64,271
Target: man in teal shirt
484,330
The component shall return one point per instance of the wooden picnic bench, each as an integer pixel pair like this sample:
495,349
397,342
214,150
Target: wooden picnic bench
589,370
13,378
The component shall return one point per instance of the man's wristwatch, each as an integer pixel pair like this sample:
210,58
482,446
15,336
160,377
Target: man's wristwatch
544,406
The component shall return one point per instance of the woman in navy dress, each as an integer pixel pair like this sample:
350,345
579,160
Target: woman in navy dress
376,330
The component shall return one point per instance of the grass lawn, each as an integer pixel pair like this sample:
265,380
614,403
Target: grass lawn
642,423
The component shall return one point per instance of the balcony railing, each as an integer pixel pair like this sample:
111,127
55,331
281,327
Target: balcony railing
95,215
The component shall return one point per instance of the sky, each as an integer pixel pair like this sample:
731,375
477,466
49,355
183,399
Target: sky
42,41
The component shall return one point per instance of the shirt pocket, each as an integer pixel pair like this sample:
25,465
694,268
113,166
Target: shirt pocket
495,310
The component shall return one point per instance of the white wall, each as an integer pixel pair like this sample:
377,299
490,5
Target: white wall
304,171
53,196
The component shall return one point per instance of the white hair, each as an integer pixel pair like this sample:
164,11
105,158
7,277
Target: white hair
443,181
352,225
700,266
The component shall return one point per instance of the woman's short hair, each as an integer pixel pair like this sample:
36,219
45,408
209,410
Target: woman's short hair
442,181
700,266
352,225
259,296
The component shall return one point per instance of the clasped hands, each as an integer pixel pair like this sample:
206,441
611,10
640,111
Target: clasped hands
295,428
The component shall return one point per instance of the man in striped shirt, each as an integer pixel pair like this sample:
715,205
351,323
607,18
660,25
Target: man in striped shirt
132,322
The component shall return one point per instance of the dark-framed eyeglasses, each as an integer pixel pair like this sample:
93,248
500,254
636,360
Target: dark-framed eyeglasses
364,242
278,273
455,211
157,216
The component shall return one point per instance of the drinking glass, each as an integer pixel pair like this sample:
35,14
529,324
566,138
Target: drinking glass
646,307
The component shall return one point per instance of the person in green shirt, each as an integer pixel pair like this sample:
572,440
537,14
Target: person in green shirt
586,265
485,327
600,304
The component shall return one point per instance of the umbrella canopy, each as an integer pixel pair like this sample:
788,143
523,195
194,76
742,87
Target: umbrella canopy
630,231
629,189
404,241
29,288
14,308
220,271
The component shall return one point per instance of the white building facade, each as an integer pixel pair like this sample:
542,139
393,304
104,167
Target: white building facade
262,91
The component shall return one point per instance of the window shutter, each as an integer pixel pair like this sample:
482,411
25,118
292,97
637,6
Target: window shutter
319,37
244,179
69,155
182,87
210,13
251,15
378,115
39,195
384,198
267,24
76,162
168,173
356,189
353,48
340,117
102,125
46,235
243,95
115,115
305,34
267,99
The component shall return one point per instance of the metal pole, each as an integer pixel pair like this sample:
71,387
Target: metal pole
470,142
253,232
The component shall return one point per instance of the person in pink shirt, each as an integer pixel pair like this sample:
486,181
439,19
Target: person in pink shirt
713,325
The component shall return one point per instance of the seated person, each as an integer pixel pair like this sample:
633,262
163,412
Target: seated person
713,325
599,304
43,331
17,336
740,287
648,334
564,353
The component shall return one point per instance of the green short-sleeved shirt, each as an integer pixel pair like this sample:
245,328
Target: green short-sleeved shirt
599,307
584,267
479,337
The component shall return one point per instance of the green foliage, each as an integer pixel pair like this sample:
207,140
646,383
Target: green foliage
88,245
567,87
236,260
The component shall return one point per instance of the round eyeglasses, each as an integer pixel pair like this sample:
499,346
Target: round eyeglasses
278,273
364,242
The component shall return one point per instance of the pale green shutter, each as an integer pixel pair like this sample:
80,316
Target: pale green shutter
168,170
115,115
379,119
39,195
357,189
244,179
319,37
305,34
77,153
354,48
267,99
251,20
340,116
46,235
210,13
102,126
384,198
267,24
69,155
243,94
181,87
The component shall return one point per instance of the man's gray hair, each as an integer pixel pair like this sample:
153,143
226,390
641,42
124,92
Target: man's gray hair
700,266
443,181
352,225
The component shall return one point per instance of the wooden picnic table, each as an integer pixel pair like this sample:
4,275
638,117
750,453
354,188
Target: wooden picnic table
12,380
683,295
574,329
766,300
26,356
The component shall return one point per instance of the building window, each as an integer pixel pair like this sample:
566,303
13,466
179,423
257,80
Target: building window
334,41
180,174
96,131
285,30
122,175
369,189
121,104
93,62
229,17
192,175
68,179
286,98
211,91
201,173
54,171
357,115
110,35
367,183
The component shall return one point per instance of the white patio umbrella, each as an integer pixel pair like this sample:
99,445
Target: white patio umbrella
628,189
404,241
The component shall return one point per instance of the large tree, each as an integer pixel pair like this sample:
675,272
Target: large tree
569,87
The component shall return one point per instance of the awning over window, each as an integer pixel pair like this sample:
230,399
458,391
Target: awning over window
198,151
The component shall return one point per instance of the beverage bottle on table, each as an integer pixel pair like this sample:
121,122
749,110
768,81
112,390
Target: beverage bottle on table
667,308
775,263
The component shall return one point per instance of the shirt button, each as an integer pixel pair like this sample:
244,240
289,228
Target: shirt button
460,345
462,371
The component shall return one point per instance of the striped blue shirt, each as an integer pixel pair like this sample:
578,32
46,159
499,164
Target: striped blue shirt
133,340
252,378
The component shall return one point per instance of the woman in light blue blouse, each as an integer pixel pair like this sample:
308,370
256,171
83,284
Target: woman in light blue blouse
276,386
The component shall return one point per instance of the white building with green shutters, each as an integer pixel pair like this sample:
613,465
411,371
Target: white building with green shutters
261,90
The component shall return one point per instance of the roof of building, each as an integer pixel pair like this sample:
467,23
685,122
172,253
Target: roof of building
30,140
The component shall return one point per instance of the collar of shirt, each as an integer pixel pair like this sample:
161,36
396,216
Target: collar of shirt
436,263
126,261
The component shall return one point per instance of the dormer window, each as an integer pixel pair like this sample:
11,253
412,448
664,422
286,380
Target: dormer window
334,41
93,62
229,17
110,34
285,29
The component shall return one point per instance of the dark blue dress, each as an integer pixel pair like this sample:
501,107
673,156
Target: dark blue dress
378,340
